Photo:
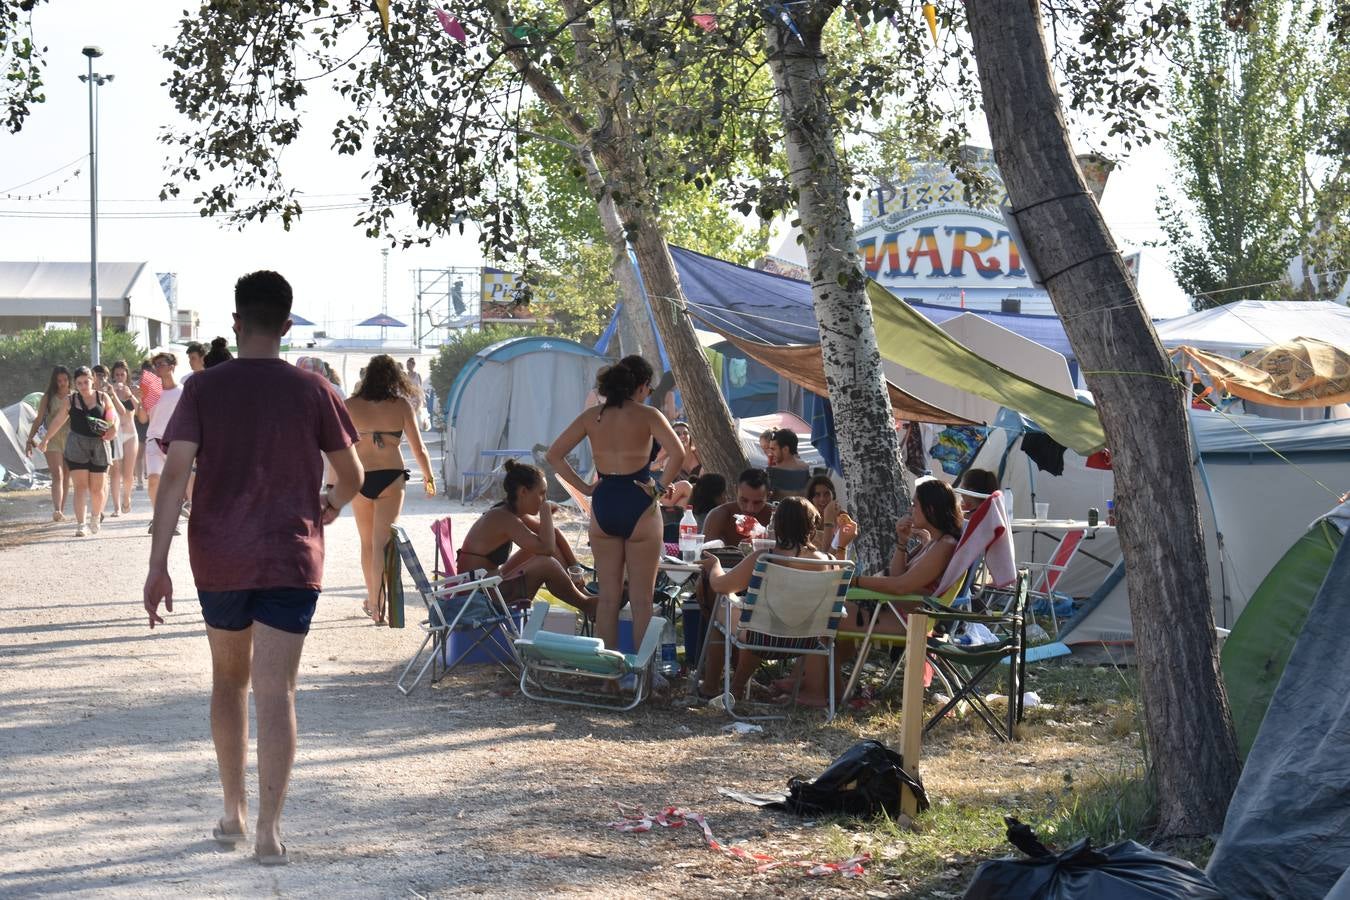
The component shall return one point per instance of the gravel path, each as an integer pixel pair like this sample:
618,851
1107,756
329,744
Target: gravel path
107,775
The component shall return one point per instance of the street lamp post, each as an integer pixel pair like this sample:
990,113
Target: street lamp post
94,80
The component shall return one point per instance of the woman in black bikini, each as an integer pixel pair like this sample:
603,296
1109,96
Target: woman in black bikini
524,518
625,436
382,410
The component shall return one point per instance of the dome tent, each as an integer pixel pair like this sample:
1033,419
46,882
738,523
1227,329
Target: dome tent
513,395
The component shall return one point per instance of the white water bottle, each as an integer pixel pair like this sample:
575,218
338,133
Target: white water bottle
669,663
688,529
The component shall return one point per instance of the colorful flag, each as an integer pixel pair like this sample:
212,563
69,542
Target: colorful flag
451,26
930,15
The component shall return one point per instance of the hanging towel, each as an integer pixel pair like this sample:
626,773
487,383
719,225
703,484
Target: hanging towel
390,606
986,534
1046,452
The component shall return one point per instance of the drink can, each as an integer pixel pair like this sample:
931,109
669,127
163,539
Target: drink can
1093,517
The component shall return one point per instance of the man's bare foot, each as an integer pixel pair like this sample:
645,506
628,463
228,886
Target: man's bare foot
268,843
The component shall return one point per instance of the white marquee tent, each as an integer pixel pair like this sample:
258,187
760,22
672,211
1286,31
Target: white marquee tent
1236,328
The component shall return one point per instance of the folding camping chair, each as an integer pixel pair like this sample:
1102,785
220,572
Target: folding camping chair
551,664
786,612
460,603
1047,574
444,564
583,503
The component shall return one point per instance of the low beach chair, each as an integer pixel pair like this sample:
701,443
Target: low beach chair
461,603
786,612
556,666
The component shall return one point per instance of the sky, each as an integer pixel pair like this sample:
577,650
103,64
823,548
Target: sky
335,270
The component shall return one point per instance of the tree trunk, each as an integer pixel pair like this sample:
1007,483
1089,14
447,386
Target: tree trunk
869,449
1143,408
635,330
613,143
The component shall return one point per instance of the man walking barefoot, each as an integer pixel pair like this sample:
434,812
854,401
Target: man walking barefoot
255,427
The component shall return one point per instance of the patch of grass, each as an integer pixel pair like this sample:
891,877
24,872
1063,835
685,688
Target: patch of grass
1106,806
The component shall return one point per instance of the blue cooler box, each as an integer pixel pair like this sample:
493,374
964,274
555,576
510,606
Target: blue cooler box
496,648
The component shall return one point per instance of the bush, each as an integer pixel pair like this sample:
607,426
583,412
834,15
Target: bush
27,358
456,353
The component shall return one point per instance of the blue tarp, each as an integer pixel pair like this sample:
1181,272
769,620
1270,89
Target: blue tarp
778,310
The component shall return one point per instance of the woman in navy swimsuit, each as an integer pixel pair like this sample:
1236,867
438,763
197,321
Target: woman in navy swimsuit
625,529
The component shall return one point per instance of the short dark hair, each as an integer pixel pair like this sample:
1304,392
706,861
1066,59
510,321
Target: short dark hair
786,437
754,478
794,522
981,481
196,347
709,492
262,300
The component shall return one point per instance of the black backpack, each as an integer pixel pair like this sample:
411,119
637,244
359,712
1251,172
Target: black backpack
863,782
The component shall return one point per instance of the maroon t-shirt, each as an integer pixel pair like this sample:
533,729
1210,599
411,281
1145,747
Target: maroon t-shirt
259,425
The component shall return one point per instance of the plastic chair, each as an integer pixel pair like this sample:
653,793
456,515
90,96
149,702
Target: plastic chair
549,660
786,612
458,603
1047,574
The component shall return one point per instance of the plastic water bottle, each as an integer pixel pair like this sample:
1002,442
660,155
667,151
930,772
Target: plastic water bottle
669,664
688,528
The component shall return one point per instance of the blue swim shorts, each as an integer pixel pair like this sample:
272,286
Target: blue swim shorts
286,609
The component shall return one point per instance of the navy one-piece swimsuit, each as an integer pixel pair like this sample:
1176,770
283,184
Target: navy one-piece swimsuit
620,501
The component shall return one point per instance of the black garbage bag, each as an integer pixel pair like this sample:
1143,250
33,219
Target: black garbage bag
863,782
1123,871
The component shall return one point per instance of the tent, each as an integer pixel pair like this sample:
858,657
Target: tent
1287,832
18,422
513,395
12,458
1245,325
1255,654
1260,482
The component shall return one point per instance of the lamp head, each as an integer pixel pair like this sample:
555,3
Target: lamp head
92,52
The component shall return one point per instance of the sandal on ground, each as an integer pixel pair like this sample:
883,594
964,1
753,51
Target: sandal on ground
227,838
279,859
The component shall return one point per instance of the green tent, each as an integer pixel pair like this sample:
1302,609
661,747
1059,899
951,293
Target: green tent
1255,654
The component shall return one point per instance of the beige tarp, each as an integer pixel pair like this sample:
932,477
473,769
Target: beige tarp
1304,372
801,364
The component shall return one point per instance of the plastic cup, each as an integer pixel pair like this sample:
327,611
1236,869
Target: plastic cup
762,544
1042,511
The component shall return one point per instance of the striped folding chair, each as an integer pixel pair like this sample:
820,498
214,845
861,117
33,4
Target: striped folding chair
792,608
455,604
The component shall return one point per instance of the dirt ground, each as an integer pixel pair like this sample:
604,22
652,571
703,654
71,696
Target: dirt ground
108,784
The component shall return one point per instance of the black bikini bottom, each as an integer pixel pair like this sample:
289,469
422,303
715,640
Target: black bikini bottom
379,479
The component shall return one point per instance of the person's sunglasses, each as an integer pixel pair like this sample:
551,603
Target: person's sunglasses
163,364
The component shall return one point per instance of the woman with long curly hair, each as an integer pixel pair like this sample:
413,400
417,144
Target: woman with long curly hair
383,411
625,436
54,399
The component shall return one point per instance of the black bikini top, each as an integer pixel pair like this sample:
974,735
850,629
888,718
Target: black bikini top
377,437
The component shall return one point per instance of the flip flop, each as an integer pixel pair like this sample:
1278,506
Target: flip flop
279,859
227,838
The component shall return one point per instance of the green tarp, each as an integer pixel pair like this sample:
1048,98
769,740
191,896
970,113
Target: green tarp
1255,654
906,337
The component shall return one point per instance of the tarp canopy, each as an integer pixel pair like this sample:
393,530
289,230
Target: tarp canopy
1004,348
1304,372
1246,325
1287,832
907,338
765,307
801,364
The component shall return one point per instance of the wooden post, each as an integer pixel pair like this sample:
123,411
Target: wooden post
911,697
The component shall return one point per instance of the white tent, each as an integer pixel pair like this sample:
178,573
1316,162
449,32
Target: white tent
18,422
11,449
513,395
1245,325
1254,505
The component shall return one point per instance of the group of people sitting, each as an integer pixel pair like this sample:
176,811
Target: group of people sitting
645,464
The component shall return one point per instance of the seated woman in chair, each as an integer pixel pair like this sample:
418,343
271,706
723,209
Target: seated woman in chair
794,522
936,513
524,518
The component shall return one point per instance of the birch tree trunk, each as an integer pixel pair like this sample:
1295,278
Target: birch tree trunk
869,448
635,331
1143,408
617,149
